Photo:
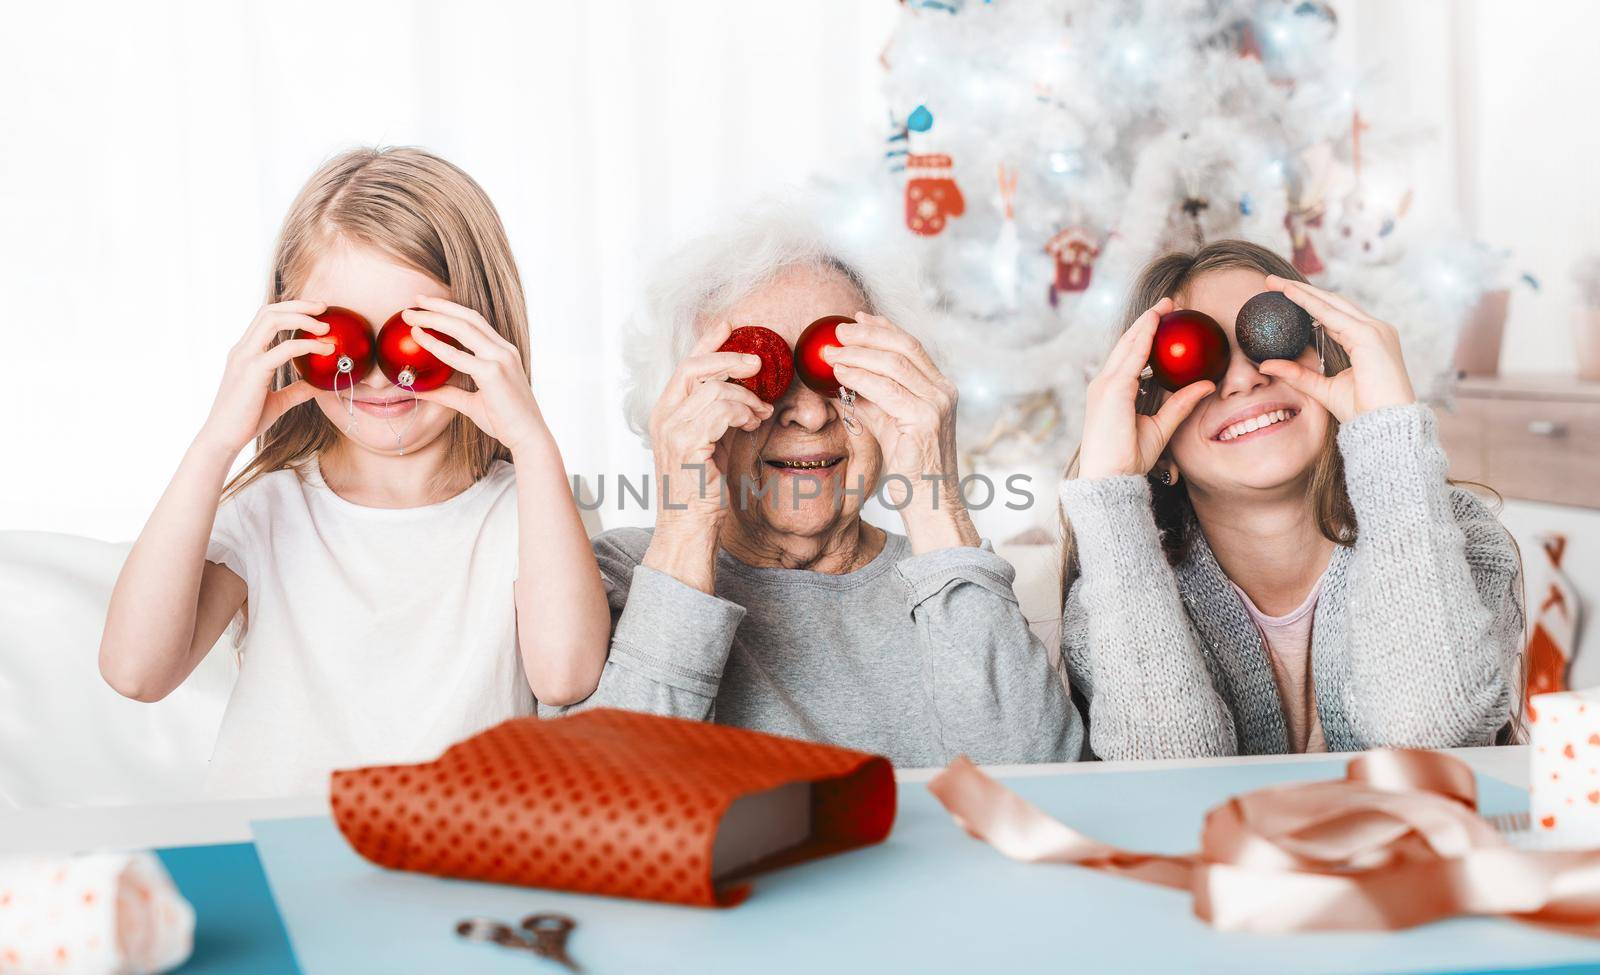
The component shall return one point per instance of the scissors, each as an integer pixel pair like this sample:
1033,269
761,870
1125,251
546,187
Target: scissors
543,934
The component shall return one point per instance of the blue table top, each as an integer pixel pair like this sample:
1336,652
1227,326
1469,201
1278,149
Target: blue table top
930,899
237,928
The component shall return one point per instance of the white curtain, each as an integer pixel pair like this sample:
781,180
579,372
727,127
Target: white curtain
148,152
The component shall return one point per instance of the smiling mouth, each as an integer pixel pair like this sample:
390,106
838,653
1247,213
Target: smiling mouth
1255,424
386,407
815,464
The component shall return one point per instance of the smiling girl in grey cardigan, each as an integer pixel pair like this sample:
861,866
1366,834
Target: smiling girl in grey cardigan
1275,562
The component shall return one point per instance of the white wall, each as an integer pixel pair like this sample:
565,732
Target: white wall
148,151
1508,93
1535,178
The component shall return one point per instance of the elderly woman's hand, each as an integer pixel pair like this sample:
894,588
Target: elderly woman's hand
910,407
694,412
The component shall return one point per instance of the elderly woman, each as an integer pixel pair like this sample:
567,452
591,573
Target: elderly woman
762,599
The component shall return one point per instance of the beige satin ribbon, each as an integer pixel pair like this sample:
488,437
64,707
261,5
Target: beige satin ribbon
1396,843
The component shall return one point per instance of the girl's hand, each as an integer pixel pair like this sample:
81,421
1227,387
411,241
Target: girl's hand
907,403
1116,439
503,405
246,404
696,409
1377,375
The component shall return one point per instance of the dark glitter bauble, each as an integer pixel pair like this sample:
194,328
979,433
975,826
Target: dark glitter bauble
1270,326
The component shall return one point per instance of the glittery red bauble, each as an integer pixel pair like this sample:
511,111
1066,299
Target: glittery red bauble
352,348
777,360
808,363
1189,346
402,359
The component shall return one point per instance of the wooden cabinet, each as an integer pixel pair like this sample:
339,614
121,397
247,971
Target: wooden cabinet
1535,438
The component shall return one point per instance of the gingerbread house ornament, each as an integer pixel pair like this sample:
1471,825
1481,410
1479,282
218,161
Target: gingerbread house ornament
1074,252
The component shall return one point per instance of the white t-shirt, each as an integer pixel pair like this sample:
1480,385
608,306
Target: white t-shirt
370,635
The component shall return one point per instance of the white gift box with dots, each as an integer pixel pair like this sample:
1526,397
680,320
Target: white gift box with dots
1564,767
94,914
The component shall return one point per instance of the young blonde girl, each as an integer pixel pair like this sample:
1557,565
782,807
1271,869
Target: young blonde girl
1276,562
408,571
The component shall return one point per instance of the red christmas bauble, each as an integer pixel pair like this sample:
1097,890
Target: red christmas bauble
406,363
1189,346
351,357
777,360
808,361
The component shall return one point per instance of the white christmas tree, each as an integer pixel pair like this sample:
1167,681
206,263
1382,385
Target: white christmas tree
1041,151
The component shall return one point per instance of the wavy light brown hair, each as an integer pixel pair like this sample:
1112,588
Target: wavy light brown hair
430,216
1168,276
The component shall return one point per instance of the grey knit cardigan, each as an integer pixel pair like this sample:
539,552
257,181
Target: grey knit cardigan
1415,642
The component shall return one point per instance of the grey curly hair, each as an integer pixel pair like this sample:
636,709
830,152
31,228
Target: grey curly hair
714,271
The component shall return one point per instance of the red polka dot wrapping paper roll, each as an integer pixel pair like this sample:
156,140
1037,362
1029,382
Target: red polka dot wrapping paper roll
604,802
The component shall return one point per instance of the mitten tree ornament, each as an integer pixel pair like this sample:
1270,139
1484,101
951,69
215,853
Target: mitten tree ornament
932,196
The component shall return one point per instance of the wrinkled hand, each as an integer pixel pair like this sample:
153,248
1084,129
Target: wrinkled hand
906,403
1117,440
1377,375
246,404
689,420
503,405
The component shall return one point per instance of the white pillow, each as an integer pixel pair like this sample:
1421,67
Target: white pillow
1038,588
66,738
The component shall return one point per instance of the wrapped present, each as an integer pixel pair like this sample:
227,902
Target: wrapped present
618,803
95,914
1564,767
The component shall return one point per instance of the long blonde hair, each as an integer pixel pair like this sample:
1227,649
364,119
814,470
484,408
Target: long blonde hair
1165,277
428,215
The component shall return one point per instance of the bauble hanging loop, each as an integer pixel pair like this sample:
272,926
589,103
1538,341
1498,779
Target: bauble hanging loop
847,411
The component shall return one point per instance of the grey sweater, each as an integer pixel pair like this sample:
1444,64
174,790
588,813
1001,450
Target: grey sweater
1414,643
916,657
